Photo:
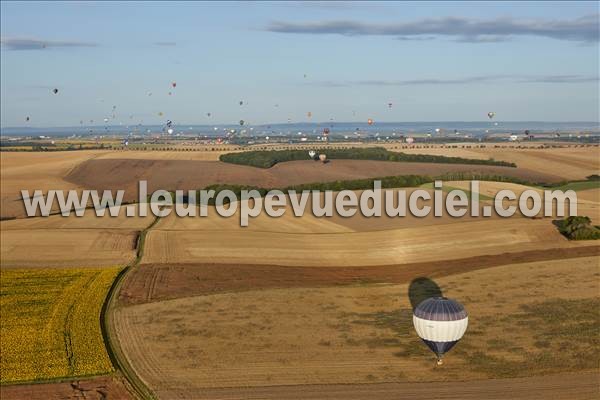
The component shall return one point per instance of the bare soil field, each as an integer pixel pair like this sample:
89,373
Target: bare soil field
191,174
66,247
363,333
101,388
157,282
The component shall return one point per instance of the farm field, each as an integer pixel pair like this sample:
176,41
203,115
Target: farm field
58,241
362,333
397,246
216,310
42,248
51,323
98,388
102,173
566,163
94,169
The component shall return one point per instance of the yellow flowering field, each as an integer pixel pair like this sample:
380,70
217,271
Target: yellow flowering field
50,323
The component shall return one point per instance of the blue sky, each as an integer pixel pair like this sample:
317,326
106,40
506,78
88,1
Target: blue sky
438,61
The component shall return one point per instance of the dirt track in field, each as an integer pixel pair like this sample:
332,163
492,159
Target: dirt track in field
103,174
155,282
557,387
101,388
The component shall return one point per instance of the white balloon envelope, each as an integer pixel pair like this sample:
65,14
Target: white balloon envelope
440,322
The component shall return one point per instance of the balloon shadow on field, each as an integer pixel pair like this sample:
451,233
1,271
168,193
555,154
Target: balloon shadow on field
421,289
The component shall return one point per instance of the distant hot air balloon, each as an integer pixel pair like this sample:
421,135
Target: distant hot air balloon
208,114
174,84
491,114
370,121
241,122
55,91
170,131
312,154
27,119
170,93
440,322
241,102
169,123
323,157
389,105
309,114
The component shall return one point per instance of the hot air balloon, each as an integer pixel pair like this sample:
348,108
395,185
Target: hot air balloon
241,122
241,102
491,114
208,114
55,91
440,322
312,154
170,131
169,123
174,84
370,121
323,158
27,119
170,93
389,105
309,114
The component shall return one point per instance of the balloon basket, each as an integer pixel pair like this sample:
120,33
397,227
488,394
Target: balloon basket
439,362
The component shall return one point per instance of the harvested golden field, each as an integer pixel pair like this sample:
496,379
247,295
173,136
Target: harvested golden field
88,221
202,153
35,170
565,163
51,323
397,246
42,248
364,334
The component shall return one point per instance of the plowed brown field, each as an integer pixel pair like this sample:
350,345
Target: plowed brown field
192,174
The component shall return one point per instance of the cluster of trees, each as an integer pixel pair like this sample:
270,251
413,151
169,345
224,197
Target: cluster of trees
266,159
578,228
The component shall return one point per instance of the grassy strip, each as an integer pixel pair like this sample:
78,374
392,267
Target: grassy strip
113,347
267,159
